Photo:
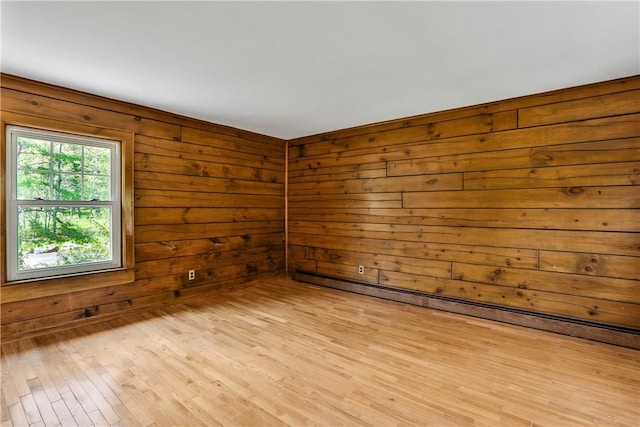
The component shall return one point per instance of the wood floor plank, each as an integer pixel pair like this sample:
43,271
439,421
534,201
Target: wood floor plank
17,414
14,371
63,413
98,419
10,394
77,411
86,403
280,352
47,383
101,403
30,409
42,402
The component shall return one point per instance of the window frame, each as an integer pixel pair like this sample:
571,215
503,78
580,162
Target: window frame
118,273
14,203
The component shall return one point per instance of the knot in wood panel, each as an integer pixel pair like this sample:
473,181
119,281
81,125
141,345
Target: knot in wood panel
573,191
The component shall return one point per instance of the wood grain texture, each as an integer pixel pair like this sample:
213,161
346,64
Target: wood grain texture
84,98
60,109
571,306
552,97
579,328
546,217
438,182
431,131
488,255
616,243
206,197
285,353
589,153
566,219
591,264
616,127
542,188
565,111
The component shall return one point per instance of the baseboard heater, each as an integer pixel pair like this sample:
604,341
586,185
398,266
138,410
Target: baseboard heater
610,334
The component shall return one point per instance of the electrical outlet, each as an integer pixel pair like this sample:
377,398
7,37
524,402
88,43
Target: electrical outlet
361,269
192,274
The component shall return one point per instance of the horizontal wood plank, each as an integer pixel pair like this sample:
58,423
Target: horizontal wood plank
22,310
212,198
610,105
482,254
166,181
379,185
208,153
620,197
608,174
368,170
596,287
181,265
26,103
148,216
180,248
236,145
146,162
341,201
548,218
600,152
426,267
574,241
346,271
609,128
539,301
594,264
159,233
59,286
297,264
482,123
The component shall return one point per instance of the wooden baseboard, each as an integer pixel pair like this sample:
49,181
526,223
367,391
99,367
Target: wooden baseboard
625,337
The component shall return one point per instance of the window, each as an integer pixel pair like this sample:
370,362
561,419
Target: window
63,209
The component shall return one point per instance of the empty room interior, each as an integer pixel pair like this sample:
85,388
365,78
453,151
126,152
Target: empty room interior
320,213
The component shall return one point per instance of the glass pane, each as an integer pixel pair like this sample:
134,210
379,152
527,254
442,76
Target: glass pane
55,236
33,154
67,157
33,185
97,187
67,186
97,160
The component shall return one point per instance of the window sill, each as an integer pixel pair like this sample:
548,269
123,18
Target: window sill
37,288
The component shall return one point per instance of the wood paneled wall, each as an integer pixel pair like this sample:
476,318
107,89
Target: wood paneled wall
206,197
530,203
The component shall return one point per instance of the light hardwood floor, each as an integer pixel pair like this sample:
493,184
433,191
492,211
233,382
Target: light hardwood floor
281,352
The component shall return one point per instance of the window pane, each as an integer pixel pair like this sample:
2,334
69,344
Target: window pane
97,187
97,160
62,171
67,186
67,157
56,236
33,154
33,185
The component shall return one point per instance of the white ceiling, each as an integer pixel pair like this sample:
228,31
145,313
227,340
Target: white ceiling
290,69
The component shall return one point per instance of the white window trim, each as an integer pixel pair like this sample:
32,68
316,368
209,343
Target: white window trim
12,205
